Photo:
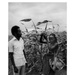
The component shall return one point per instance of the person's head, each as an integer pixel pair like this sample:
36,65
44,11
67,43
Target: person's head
15,30
52,38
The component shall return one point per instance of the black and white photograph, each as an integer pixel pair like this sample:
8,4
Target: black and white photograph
37,38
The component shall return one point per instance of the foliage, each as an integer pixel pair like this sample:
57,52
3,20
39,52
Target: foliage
35,50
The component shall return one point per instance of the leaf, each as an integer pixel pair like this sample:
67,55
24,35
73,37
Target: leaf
39,23
46,27
45,21
26,29
37,27
26,20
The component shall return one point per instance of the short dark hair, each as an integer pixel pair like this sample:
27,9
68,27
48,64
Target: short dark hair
14,29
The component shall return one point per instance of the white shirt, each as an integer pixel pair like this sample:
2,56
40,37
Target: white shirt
17,47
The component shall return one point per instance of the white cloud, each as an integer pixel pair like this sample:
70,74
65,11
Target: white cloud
38,12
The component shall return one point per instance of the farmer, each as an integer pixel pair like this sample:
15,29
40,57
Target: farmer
16,51
52,46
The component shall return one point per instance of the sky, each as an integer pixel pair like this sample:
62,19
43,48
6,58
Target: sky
37,11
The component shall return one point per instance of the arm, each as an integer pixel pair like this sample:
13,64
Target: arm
42,41
10,48
24,54
55,46
11,58
12,61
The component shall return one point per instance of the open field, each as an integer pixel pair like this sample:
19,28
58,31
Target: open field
35,53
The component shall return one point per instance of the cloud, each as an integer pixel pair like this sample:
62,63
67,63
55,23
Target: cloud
56,12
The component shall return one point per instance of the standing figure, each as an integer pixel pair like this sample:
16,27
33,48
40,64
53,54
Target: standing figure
53,47
16,51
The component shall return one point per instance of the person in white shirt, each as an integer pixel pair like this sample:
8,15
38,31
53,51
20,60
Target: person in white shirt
16,51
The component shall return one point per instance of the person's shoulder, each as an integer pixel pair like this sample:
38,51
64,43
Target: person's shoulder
12,40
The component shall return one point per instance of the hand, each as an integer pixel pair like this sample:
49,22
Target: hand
15,69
